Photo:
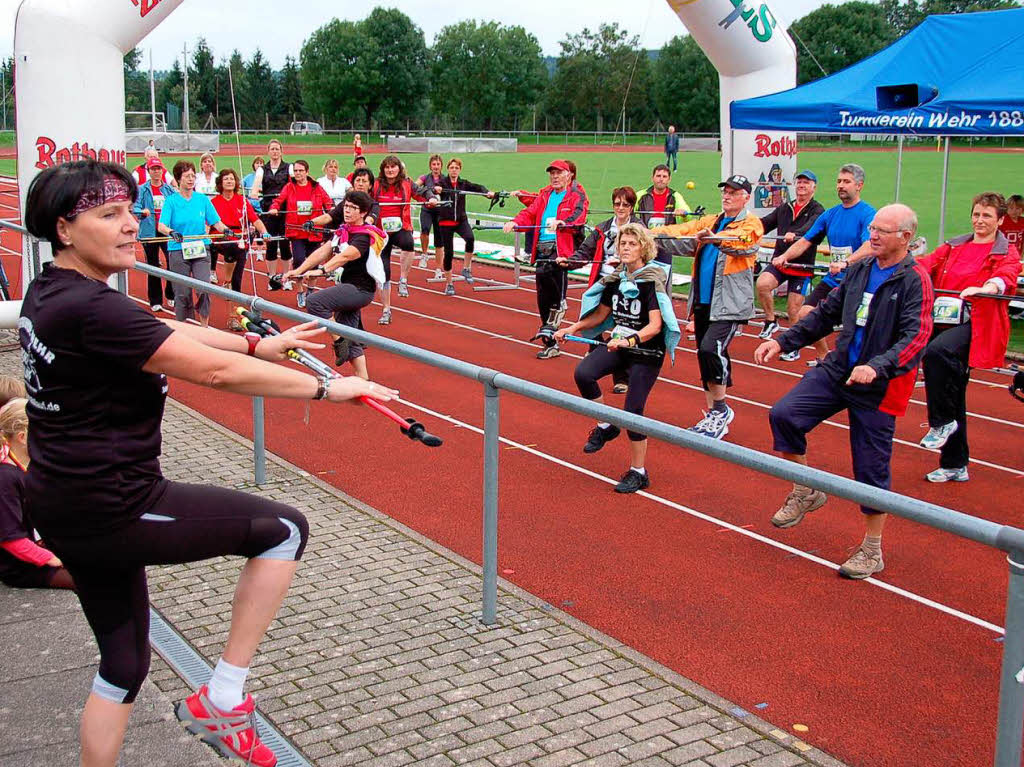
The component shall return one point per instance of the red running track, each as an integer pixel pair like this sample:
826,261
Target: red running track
880,676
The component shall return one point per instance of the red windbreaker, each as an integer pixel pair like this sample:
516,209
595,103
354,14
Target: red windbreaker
311,198
572,211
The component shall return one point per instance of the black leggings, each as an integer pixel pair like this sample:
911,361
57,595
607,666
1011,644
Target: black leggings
402,239
276,227
448,231
189,523
946,373
344,302
232,254
153,251
603,361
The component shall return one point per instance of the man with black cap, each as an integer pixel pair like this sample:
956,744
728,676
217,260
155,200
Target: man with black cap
557,215
721,293
791,220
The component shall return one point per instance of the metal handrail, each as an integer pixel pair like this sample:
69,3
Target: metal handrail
1005,537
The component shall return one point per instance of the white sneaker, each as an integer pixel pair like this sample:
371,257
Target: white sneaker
948,475
423,261
288,285
438,274
157,307
792,356
938,436
715,423
771,327
213,278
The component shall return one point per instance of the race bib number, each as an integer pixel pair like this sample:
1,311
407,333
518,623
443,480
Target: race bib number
841,252
765,255
551,225
621,331
864,309
158,202
949,310
656,221
192,250
391,223
304,207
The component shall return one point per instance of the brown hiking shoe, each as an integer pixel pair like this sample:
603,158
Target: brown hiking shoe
862,565
801,500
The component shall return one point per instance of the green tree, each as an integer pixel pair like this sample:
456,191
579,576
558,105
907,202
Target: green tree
7,119
686,87
136,83
291,90
376,67
203,72
503,63
596,75
904,15
836,36
259,90
235,80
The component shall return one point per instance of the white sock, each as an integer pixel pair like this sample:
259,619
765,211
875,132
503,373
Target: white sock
641,471
604,425
226,685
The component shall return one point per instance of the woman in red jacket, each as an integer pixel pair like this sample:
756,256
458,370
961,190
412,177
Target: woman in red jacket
303,200
968,333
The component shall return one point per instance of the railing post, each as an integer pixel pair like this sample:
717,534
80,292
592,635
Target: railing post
490,554
1011,680
259,446
36,265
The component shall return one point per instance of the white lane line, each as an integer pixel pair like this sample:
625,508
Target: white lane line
910,595
754,403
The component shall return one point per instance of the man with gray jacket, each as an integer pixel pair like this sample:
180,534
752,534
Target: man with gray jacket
721,292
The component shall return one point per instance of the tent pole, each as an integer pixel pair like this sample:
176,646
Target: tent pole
945,184
899,166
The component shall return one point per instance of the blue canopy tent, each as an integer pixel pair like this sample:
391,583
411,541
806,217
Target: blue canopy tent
952,75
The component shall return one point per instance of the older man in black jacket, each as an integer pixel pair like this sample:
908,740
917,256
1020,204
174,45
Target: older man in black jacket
885,308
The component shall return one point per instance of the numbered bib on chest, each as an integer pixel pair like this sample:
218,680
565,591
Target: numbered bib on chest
765,255
864,309
304,207
656,221
391,223
950,310
192,250
158,202
621,331
841,252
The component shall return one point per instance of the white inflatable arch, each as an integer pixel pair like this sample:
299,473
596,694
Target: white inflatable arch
69,81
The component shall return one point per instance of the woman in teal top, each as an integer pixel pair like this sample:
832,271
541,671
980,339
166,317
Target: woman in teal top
185,218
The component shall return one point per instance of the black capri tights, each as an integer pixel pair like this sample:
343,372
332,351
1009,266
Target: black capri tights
189,523
402,239
601,362
448,232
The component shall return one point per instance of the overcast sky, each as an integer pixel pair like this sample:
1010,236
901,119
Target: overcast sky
278,32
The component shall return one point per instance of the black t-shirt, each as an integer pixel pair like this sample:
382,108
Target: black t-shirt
355,272
94,415
635,314
12,521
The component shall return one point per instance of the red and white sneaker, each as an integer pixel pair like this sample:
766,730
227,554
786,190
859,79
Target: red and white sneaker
232,733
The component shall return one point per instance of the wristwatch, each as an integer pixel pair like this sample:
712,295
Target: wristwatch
252,339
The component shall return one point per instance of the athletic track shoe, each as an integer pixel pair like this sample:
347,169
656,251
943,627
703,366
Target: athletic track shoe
792,356
300,299
449,289
948,475
423,260
385,317
600,437
715,423
771,327
862,565
288,285
800,501
403,289
213,278
937,436
468,276
341,347
632,481
232,733
620,388
438,274
549,352
156,308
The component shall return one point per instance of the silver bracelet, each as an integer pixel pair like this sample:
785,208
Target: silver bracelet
323,387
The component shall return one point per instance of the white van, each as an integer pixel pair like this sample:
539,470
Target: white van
306,129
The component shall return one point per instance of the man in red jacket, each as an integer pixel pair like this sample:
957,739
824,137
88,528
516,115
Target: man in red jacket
884,305
557,215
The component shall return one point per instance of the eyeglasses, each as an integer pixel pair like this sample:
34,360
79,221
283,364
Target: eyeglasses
621,204
872,229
